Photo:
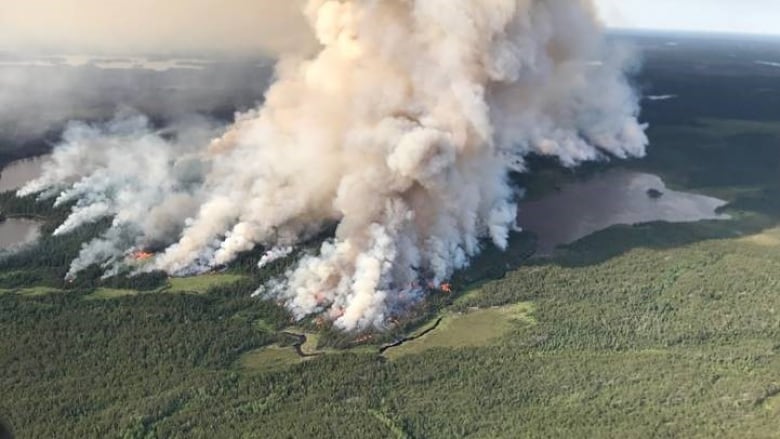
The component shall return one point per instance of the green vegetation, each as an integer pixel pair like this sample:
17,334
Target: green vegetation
310,346
679,341
470,329
37,291
666,330
31,291
268,359
654,330
200,284
110,293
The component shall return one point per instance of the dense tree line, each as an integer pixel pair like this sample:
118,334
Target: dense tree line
640,343
655,330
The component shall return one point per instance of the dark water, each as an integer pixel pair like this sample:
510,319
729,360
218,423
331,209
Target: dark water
17,173
611,198
19,231
576,211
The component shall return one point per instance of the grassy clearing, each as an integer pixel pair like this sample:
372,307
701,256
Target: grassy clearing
268,359
768,238
469,329
310,346
200,284
110,293
38,291
187,285
31,291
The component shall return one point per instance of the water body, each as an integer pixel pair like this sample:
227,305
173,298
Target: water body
15,232
614,197
19,231
17,173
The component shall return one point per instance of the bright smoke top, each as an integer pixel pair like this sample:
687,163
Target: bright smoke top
402,130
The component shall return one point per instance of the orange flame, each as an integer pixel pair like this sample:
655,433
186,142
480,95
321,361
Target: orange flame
446,288
141,255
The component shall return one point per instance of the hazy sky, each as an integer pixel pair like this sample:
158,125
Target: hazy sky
122,26
741,16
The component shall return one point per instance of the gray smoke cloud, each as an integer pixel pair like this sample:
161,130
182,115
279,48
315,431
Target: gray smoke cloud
39,95
402,129
57,65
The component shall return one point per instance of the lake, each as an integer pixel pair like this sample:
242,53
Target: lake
579,209
17,173
613,197
19,231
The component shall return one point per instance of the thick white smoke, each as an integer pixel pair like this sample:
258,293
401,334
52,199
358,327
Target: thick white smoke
403,130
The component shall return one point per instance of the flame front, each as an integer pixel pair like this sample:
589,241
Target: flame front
142,255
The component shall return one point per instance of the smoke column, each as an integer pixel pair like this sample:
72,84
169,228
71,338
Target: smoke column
402,130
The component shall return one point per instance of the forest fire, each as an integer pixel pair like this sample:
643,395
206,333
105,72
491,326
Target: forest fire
422,125
141,255
444,288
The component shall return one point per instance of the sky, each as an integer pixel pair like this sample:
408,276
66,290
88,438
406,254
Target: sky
732,16
146,26
126,26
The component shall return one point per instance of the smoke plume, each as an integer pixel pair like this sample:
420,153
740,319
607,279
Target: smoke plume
402,130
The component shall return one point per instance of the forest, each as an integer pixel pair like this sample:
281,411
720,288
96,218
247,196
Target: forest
651,330
668,338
